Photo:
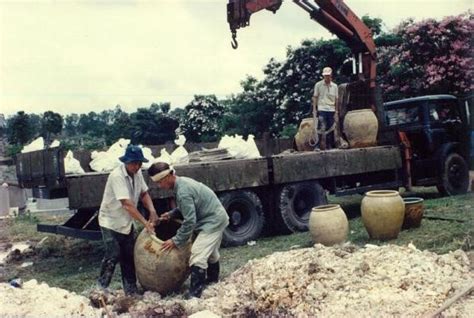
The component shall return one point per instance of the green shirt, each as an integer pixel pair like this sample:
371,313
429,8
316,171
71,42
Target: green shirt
200,207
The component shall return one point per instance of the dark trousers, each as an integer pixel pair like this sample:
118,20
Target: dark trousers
118,248
325,122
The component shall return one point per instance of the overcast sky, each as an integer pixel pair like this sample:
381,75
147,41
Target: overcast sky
80,56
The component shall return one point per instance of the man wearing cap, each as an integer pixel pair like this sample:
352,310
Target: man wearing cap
325,106
125,186
203,215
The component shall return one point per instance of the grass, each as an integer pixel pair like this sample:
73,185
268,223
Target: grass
74,264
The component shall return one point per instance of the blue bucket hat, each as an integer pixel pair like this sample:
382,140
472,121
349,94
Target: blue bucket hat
133,154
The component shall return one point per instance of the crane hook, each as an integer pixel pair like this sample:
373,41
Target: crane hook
234,42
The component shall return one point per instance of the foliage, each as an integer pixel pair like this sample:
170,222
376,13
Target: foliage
202,117
20,128
153,126
284,95
428,57
13,149
84,141
249,112
433,57
51,123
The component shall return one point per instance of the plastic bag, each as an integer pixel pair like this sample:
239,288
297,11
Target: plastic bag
109,160
164,157
252,150
37,144
55,143
239,148
180,154
72,165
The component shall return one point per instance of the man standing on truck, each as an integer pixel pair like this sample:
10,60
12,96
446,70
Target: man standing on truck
203,215
125,186
324,108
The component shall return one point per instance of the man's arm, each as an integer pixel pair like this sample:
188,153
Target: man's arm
129,206
148,203
314,99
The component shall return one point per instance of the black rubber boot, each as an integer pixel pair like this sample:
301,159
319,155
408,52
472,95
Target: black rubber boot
130,289
198,277
212,273
106,272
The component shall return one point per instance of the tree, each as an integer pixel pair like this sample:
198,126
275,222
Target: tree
152,126
20,129
434,57
248,112
201,123
51,123
71,123
286,90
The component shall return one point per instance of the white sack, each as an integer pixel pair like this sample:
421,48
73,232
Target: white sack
55,143
148,155
164,157
180,154
37,144
72,165
109,160
239,148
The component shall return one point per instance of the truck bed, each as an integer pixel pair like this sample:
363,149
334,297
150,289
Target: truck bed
85,190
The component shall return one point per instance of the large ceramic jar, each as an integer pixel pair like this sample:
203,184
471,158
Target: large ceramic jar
162,272
328,224
361,127
413,212
382,214
305,138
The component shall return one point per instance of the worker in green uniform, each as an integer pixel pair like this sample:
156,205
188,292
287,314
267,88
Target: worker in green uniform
203,215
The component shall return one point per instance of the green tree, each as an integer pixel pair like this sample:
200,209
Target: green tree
201,123
51,123
71,123
20,129
248,112
151,126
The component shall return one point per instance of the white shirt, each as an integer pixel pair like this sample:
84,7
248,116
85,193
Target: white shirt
327,95
120,186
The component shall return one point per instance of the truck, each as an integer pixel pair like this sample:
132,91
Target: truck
422,141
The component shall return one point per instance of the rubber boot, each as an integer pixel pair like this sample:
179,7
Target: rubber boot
106,272
198,277
212,273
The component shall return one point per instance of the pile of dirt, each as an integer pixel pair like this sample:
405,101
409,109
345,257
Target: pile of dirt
40,300
337,281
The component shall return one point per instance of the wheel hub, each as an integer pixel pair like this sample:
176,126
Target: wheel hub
236,217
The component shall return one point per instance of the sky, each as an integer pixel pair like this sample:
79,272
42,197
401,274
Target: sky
73,56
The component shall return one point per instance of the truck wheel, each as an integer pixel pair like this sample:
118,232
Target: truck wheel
296,202
246,218
454,175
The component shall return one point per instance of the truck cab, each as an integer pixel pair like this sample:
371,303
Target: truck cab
434,132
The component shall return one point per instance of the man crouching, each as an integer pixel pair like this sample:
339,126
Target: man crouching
203,214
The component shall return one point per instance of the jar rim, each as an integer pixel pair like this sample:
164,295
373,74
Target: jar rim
325,207
360,110
382,193
412,200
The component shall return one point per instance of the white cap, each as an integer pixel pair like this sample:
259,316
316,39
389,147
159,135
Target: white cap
327,71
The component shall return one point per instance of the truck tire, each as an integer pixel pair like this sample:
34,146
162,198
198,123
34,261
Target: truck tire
454,177
296,202
246,218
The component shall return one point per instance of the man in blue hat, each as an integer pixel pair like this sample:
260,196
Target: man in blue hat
125,186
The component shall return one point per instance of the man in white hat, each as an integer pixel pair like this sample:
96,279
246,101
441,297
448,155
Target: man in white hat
324,106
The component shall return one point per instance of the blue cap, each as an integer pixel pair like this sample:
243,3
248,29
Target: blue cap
133,154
